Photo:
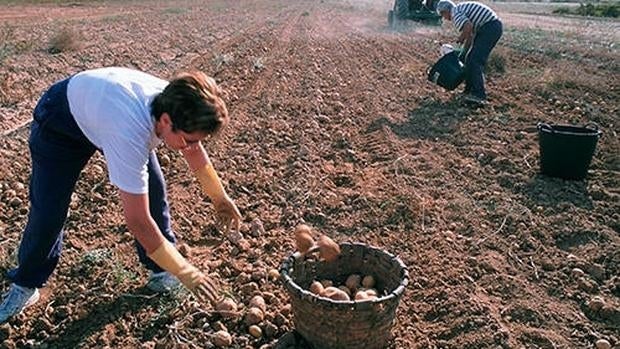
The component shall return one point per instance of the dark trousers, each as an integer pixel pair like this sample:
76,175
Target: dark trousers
59,151
485,40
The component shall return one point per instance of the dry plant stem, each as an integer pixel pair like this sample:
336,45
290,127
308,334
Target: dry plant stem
421,200
174,331
526,162
141,296
236,313
97,185
16,128
186,220
501,226
48,307
515,257
6,240
445,284
535,268
423,207
198,311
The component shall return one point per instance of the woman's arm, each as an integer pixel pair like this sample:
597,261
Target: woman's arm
196,156
466,35
160,250
228,215
198,161
139,220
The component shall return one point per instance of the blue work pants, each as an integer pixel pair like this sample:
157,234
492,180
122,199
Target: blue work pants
485,40
59,151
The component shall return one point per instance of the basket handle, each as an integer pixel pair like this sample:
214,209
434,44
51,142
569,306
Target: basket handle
544,126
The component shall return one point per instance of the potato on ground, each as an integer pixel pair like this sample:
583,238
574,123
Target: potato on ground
227,308
303,238
258,302
255,331
328,249
222,339
254,316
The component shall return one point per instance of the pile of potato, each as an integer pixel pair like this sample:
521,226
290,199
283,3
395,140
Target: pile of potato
304,241
356,288
254,316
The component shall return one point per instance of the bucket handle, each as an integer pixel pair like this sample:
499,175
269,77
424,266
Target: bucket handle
592,126
544,126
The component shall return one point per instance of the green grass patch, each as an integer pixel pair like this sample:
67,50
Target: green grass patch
113,18
175,10
533,40
592,10
58,2
6,46
564,10
496,65
93,260
63,40
10,45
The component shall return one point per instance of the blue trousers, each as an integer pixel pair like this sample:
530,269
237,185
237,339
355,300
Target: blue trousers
59,151
485,40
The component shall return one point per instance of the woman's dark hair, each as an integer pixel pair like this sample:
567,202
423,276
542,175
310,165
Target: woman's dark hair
193,102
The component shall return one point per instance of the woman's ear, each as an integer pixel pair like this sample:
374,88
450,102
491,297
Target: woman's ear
165,119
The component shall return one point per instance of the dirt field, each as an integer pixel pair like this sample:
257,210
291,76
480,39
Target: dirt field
334,124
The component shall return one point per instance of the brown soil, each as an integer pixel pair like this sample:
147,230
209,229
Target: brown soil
334,124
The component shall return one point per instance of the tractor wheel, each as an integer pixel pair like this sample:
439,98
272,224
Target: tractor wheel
401,9
431,4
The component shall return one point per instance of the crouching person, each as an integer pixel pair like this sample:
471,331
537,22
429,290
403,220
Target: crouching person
480,29
125,114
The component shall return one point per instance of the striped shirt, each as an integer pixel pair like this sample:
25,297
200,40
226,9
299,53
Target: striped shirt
478,14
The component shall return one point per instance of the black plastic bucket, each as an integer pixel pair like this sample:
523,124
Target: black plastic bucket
448,72
566,151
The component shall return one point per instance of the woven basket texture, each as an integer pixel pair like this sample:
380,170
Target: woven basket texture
330,324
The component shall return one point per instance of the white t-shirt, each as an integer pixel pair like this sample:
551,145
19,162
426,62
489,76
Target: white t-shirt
112,106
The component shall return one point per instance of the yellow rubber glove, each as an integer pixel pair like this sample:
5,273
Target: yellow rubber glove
210,182
228,214
169,259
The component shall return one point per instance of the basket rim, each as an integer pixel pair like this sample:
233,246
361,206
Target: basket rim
293,287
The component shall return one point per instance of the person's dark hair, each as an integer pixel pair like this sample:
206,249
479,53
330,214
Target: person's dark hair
193,102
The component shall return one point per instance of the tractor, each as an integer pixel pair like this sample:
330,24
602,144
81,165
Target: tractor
416,10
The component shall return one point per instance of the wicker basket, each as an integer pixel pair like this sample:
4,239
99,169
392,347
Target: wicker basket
330,324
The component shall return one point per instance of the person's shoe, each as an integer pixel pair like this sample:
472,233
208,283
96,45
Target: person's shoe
474,100
16,299
162,282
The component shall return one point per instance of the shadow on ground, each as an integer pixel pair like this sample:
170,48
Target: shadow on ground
100,314
555,193
432,119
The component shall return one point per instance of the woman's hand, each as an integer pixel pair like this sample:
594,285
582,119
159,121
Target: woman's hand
227,214
466,34
199,284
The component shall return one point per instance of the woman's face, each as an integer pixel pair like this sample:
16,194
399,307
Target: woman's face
177,139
